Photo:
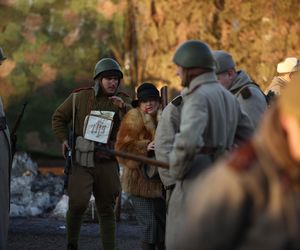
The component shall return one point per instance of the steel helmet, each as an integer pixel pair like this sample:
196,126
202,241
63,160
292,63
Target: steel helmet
194,54
108,66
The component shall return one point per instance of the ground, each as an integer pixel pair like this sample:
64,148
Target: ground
49,233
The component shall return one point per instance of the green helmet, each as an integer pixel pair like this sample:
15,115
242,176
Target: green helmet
108,66
2,55
194,54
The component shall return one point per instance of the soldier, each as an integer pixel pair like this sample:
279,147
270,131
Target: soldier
284,70
211,122
250,96
167,128
93,172
5,167
251,199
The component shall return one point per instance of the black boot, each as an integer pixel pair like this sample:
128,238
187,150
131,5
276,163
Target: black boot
72,247
148,246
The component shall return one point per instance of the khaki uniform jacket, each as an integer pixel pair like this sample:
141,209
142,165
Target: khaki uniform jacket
5,167
250,97
86,100
210,117
167,128
137,130
243,202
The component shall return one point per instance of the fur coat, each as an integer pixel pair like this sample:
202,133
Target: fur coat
137,130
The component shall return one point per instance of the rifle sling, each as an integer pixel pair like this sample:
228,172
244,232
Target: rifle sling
3,123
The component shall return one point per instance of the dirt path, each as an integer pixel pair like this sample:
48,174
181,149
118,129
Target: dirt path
45,233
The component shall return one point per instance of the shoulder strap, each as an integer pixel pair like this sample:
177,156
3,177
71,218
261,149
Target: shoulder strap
73,111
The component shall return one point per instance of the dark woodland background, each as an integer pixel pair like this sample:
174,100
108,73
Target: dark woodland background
52,47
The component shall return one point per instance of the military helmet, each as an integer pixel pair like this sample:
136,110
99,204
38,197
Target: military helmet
108,66
194,54
2,55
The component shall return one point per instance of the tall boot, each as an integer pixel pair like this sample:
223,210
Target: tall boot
160,246
148,246
108,232
73,230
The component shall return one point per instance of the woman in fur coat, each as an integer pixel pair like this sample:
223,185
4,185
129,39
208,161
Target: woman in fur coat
136,135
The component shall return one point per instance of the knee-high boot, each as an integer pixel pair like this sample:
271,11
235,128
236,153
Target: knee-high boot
108,232
73,229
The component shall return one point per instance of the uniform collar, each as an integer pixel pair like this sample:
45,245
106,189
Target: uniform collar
208,77
240,80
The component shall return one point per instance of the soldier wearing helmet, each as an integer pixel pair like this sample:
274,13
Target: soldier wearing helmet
211,123
5,165
251,98
92,171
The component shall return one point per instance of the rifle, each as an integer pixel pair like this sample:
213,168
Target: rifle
164,96
13,134
133,157
71,143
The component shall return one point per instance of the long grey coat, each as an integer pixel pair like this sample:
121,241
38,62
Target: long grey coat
5,165
166,130
245,202
210,117
250,97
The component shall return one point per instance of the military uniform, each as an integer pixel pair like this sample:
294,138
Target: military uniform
101,179
167,128
249,200
5,168
251,98
211,122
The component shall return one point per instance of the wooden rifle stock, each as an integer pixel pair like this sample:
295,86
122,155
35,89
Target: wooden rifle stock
134,157
164,96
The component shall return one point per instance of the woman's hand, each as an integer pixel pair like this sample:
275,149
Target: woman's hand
151,146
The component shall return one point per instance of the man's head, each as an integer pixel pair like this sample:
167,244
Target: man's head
225,68
193,58
2,56
287,67
108,74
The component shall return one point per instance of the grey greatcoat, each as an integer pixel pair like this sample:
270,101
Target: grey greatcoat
211,123
5,165
250,97
247,201
166,130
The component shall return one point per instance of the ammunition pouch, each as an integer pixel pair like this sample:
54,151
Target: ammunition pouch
84,152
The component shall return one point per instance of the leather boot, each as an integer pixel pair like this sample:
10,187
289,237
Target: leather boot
148,246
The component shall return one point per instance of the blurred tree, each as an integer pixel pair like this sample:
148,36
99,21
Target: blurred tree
53,45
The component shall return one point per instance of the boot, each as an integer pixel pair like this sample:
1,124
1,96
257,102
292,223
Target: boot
72,247
108,232
160,246
73,230
148,246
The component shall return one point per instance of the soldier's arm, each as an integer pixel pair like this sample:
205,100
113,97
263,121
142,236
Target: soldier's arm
61,118
216,209
253,103
245,128
194,117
